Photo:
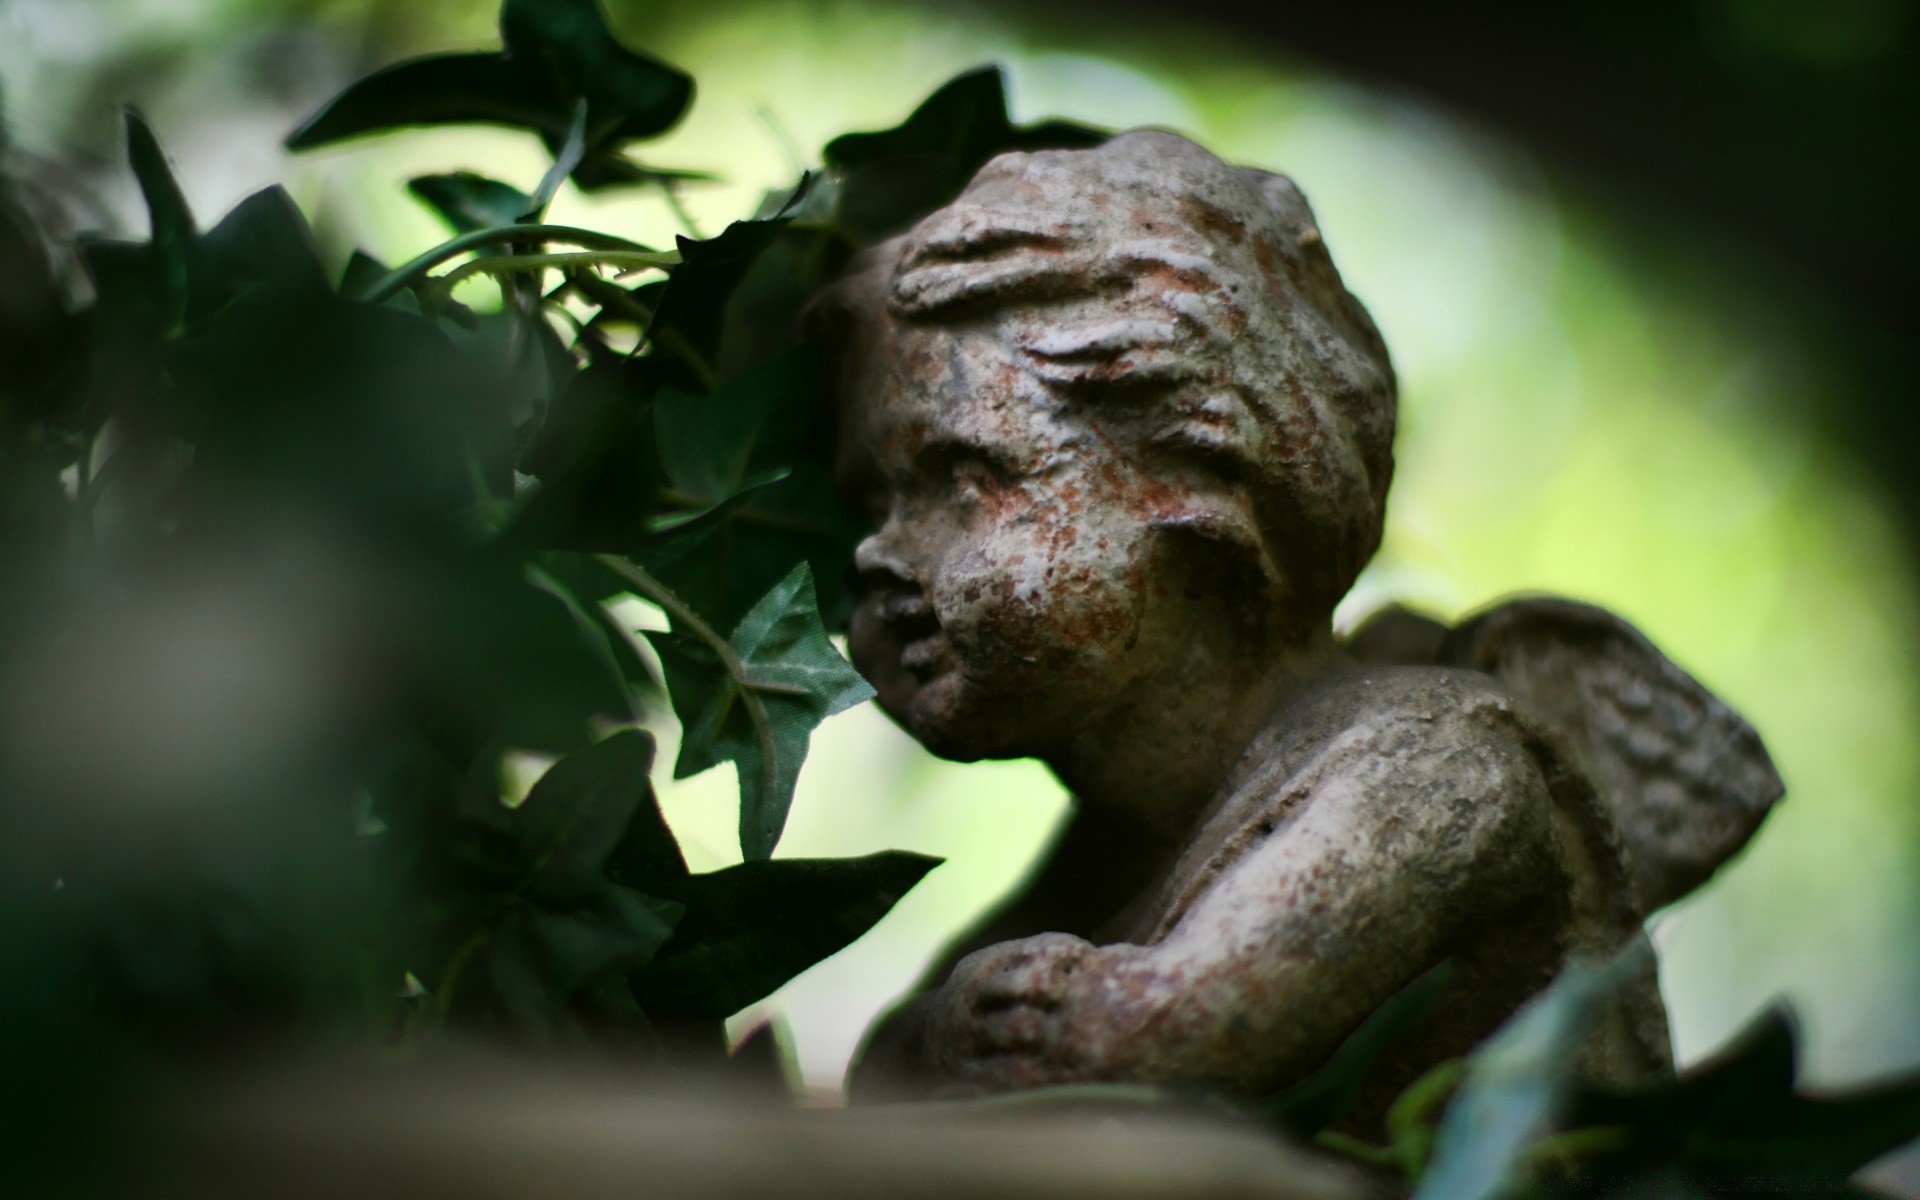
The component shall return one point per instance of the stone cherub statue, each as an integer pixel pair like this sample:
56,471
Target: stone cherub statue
1125,439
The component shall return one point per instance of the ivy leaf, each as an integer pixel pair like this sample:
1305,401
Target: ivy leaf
43,343
361,272
750,928
540,959
793,680
688,529
559,55
263,248
568,45
580,812
600,478
772,523
764,313
707,442
522,661
366,409
766,425
890,178
1740,1115
441,89
691,315
129,320
171,221
569,922
467,201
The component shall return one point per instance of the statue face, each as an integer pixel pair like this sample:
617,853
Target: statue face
1041,383
1012,588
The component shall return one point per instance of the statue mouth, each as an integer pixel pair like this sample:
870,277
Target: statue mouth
924,650
927,657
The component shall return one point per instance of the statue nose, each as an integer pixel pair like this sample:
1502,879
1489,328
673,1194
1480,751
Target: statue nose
879,564
900,598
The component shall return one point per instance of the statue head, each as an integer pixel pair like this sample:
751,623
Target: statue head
1112,413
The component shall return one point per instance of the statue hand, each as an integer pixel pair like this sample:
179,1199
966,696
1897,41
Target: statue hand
1026,1013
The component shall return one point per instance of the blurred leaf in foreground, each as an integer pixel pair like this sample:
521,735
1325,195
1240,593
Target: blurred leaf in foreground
1737,1125
1516,1085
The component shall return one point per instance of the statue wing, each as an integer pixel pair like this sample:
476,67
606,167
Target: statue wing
1687,780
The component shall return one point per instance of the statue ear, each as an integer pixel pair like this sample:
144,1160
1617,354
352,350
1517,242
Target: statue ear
1687,780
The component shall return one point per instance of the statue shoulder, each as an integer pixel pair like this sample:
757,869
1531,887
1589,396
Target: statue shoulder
1683,777
1401,711
1406,751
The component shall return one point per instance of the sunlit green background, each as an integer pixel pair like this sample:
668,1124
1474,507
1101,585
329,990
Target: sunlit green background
1591,405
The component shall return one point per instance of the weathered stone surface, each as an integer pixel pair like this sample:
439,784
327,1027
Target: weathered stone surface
1125,440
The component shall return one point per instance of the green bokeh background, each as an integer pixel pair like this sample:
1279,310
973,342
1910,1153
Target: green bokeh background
1595,402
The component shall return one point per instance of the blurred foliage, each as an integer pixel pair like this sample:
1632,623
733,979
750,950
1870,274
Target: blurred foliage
1520,1116
291,566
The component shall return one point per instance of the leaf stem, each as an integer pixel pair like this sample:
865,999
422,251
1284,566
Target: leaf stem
417,269
1563,1150
1353,1147
1409,1123
505,264
440,1003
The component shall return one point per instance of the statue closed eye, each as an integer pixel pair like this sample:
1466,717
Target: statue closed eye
1126,439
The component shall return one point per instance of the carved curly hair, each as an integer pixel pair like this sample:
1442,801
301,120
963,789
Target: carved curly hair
1194,309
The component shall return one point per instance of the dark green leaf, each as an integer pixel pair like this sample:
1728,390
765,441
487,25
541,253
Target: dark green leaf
362,271
1318,1100
706,442
764,531
750,928
892,177
43,344
520,980
764,314
262,247
365,410
445,89
767,425
171,221
600,477
467,201
619,932
522,661
1740,1115
691,315
799,680
131,316
694,525
580,811
567,45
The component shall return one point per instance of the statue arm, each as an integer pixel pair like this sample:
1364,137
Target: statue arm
1406,830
